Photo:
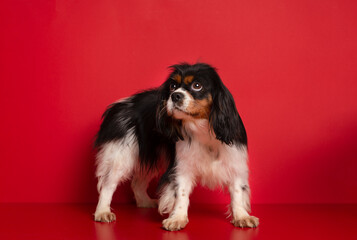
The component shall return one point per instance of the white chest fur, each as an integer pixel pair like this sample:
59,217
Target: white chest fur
201,157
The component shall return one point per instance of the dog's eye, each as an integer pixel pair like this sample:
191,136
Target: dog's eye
173,87
196,86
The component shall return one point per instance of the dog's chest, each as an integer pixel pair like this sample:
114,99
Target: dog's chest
208,160
211,164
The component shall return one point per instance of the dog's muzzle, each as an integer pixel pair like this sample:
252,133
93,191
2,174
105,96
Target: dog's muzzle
177,98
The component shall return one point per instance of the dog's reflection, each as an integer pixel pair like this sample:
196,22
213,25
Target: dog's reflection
175,236
244,233
105,231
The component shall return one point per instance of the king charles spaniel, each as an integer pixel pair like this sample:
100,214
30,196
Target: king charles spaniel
189,132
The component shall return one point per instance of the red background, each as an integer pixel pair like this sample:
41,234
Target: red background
291,66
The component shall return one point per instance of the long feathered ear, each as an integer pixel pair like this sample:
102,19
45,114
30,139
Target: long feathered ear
166,125
224,118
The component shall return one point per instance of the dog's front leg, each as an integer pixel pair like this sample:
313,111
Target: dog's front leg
178,219
240,204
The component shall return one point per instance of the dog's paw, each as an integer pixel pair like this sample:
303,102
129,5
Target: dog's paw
152,203
249,221
105,217
174,223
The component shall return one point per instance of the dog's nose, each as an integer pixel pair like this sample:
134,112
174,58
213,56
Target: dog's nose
177,96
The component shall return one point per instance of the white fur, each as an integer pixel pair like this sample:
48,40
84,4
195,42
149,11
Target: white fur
208,160
167,199
201,158
179,111
116,161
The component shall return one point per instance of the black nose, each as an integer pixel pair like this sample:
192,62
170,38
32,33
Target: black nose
177,96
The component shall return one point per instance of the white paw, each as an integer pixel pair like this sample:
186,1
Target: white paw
249,221
174,223
104,217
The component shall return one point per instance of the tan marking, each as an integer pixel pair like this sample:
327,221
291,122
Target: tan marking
200,108
178,78
188,80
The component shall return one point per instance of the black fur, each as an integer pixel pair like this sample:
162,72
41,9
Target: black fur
224,117
138,113
156,132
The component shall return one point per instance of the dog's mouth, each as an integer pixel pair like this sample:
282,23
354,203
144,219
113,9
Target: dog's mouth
180,111
176,109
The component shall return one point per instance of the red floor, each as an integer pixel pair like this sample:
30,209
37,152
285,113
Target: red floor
70,221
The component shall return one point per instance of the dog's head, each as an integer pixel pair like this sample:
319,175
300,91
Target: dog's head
197,92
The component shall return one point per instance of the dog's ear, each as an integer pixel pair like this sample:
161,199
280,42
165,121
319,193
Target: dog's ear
224,118
166,125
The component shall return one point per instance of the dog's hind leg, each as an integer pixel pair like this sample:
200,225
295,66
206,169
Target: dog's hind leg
116,161
139,185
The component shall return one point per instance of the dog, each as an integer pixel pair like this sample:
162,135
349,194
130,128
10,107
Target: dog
188,131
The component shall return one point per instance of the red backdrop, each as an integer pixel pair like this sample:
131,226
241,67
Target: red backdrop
291,66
